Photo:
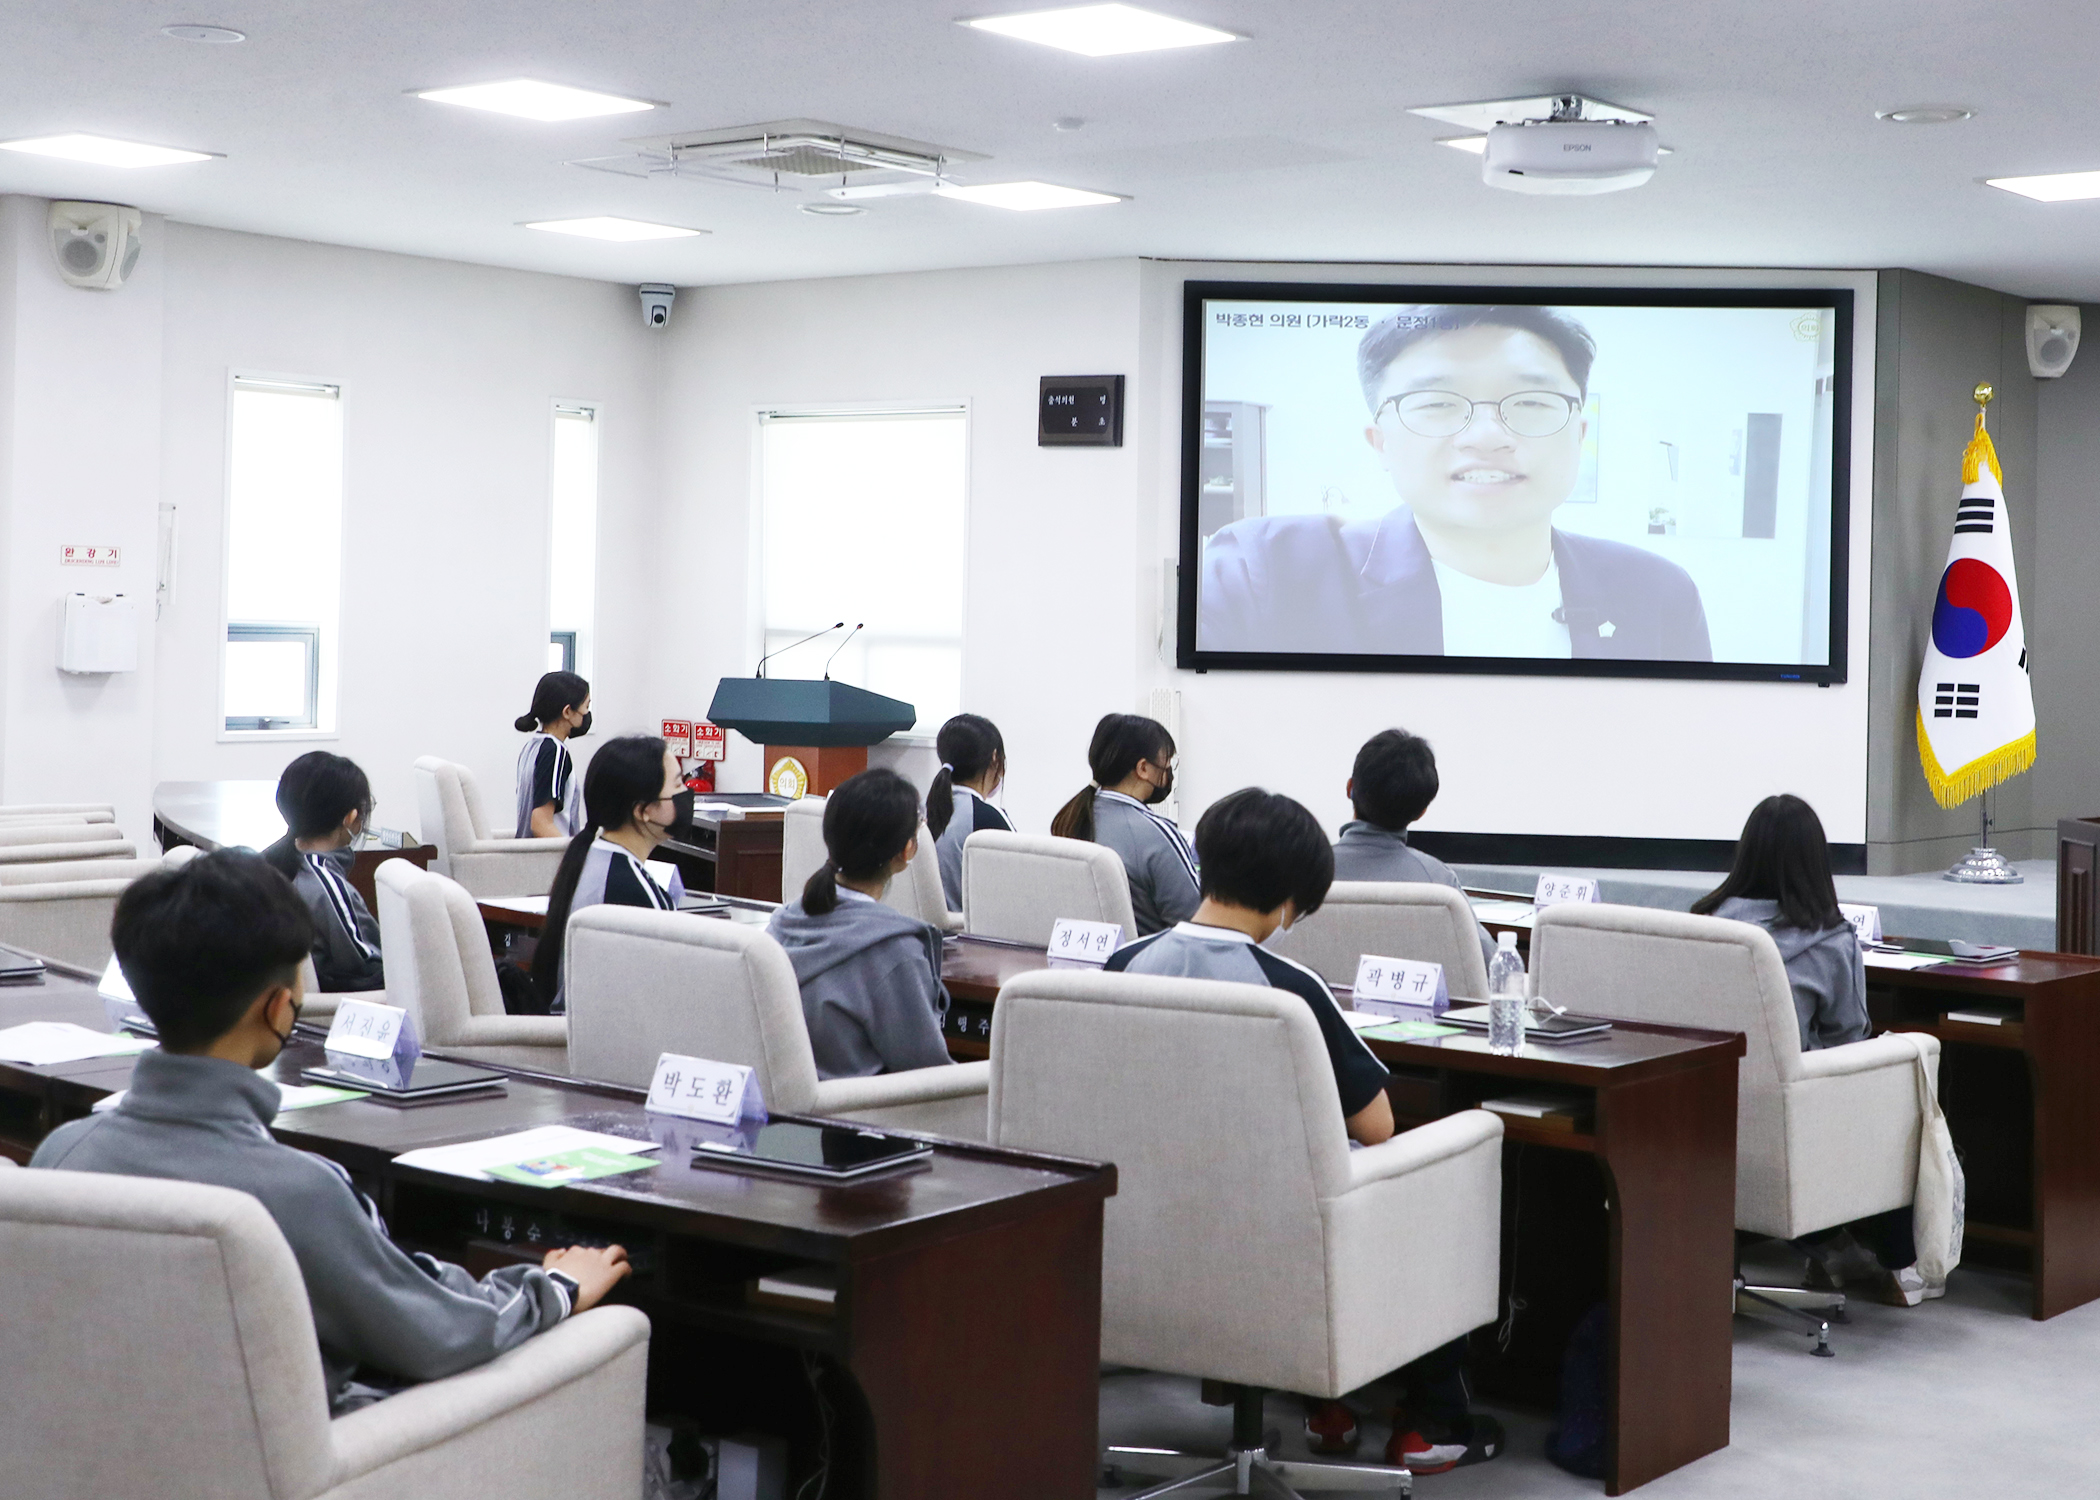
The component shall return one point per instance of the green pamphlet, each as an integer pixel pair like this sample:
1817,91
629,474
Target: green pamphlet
1410,1031
579,1165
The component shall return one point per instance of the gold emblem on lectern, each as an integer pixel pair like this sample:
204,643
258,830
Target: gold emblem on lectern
789,778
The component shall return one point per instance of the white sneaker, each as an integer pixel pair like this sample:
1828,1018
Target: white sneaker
1906,1288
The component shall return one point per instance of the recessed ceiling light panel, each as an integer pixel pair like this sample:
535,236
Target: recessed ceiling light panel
1102,30
222,35
530,99
103,151
1025,196
609,227
1925,114
2051,187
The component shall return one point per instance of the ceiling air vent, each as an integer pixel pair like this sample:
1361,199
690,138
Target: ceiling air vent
806,155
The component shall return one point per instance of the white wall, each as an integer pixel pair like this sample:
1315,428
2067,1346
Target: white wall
448,374
1055,569
1068,549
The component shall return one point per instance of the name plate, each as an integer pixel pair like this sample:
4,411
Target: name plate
1400,987
1084,942
373,1041
1865,920
696,1089
119,1004
1554,889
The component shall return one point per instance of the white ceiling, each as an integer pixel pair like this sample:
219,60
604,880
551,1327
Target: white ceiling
1290,145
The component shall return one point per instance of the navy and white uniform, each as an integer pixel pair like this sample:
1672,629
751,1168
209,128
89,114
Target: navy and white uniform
547,773
384,1318
1367,852
971,813
1190,951
612,876
346,938
1164,887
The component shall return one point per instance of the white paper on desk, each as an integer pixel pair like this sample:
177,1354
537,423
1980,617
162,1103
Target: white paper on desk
41,1043
1363,1020
473,1158
1505,913
1903,960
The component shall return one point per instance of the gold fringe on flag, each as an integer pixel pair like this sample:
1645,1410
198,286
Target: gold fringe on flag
1952,788
1977,454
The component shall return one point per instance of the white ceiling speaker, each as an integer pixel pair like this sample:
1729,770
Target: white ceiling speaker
1569,156
2052,339
96,244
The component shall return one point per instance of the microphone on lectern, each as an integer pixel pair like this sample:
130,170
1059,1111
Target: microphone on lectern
760,669
856,630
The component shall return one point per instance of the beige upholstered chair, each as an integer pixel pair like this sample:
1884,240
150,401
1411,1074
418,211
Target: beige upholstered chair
1016,886
1822,1138
58,812
158,1342
440,970
916,893
641,983
1427,923
63,910
1246,1242
488,862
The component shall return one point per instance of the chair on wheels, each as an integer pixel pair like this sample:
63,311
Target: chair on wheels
917,892
641,983
1016,885
1246,1242
158,1342
1822,1138
468,851
1393,919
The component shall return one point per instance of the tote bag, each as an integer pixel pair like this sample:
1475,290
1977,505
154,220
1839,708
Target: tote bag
1938,1209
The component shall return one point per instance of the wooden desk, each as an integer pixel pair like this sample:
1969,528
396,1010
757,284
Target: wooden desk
243,815
733,856
2023,1102
962,1359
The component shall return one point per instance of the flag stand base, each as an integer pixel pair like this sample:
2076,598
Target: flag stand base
1984,867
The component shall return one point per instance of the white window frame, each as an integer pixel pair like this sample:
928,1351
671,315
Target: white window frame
585,651
327,667
755,621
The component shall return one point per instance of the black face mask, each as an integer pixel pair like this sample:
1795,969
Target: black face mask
581,729
1163,791
682,810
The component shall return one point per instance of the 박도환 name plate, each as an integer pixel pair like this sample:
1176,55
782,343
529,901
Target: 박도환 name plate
696,1088
1400,987
1554,889
1084,942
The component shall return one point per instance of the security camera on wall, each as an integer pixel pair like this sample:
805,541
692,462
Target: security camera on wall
97,244
656,303
2052,339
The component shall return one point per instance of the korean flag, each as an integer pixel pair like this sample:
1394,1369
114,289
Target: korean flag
1975,703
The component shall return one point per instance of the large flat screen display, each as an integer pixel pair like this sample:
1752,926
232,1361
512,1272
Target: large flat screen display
1559,481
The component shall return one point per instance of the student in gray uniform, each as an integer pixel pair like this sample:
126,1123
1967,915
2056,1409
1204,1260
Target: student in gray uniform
973,763
548,807
870,976
1131,759
1266,864
327,801
212,951
1391,785
1781,881
632,799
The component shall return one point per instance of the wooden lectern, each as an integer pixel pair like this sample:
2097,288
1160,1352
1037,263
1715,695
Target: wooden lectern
814,734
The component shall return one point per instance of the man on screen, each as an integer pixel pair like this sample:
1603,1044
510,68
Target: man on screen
1477,415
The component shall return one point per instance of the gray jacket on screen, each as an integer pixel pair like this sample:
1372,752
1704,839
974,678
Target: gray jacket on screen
1367,852
384,1318
871,986
1164,885
1828,975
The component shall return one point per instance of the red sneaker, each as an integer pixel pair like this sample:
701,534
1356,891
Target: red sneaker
1330,1428
1408,1449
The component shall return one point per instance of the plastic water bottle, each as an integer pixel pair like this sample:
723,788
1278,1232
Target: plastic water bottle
1508,1005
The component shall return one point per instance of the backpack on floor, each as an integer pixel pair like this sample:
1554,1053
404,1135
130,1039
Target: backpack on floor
1578,1443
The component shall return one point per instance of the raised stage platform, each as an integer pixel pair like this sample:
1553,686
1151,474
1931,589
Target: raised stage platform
1921,906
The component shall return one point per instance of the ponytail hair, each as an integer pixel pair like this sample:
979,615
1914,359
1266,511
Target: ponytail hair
556,691
968,746
868,822
626,773
1120,742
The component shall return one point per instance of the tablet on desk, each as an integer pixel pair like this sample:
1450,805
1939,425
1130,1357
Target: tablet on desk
431,1078
824,1153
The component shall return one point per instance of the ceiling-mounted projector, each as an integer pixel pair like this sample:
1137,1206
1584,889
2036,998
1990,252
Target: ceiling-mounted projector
1570,156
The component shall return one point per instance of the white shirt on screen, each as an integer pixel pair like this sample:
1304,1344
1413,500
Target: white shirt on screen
1500,619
